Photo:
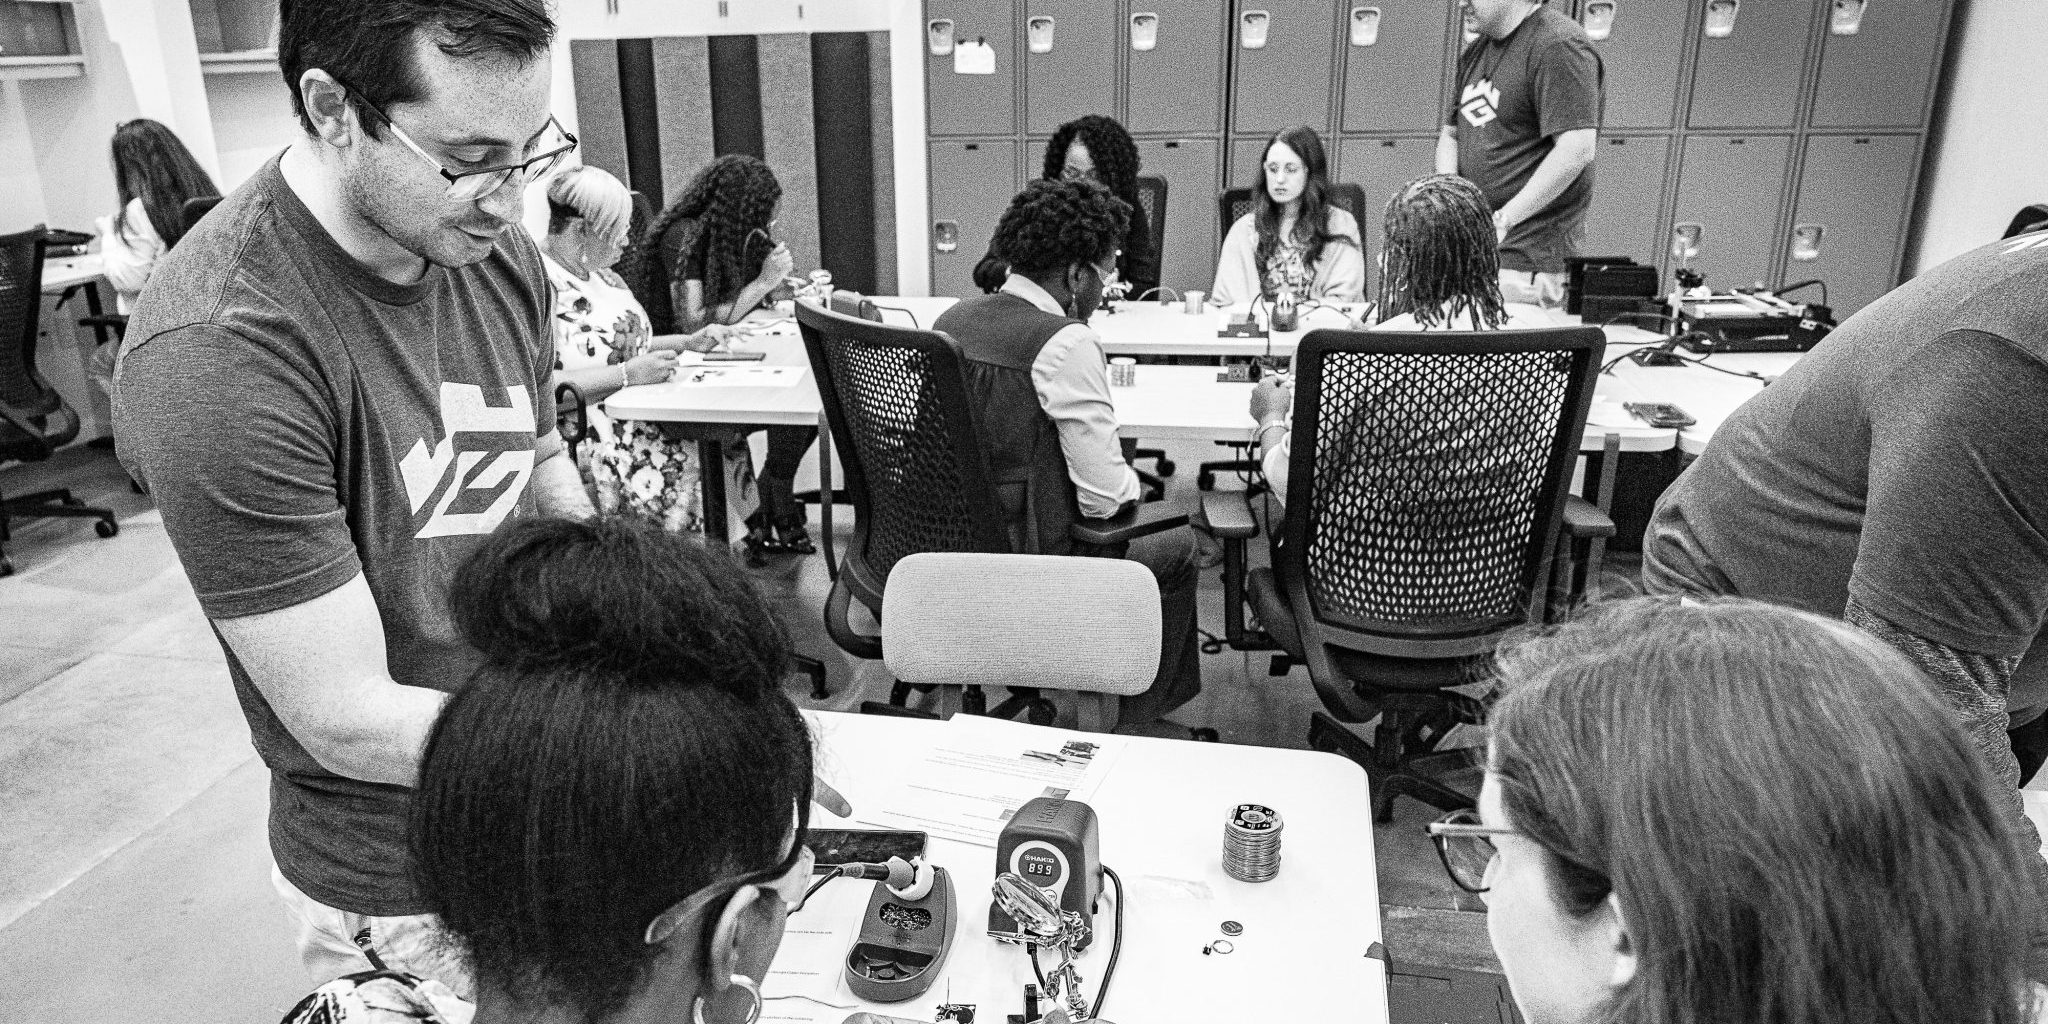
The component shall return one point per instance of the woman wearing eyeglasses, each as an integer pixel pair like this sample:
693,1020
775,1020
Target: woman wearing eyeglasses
1095,148
719,261
610,815
1735,812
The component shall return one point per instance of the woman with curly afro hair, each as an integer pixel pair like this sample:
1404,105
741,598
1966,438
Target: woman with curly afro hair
1095,148
1039,388
718,261
1293,239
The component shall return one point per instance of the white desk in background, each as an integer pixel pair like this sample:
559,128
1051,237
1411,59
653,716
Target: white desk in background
60,275
1302,956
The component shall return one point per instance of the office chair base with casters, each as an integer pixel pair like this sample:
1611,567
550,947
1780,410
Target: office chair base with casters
52,504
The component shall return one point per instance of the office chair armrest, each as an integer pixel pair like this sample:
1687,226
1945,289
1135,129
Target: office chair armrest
112,321
1583,519
1229,515
1128,525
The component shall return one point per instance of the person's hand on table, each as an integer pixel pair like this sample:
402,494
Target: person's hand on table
650,367
711,339
1272,399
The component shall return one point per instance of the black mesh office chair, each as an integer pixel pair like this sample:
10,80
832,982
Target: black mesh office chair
34,421
1231,205
1427,491
641,250
1152,196
897,402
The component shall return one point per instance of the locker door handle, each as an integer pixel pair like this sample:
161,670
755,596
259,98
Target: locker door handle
1144,30
1685,239
1845,17
939,36
1365,26
1598,21
946,235
1721,18
1253,28
1038,33
1806,241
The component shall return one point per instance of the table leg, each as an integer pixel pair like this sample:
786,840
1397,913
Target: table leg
92,309
825,495
711,484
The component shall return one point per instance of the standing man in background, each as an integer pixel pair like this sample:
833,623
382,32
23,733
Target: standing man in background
336,385
1522,127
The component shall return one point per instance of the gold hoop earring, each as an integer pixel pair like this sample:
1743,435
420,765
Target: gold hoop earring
744,984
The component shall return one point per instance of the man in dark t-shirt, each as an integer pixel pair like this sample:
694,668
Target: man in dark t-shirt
1898,477
335,386
1522,127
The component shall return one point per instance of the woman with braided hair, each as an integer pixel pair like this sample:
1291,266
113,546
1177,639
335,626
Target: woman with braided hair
1441,273
1098,149
718,261
1293,239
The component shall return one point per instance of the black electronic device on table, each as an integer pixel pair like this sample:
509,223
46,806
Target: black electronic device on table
734,357
1056,846
905,935
1750,321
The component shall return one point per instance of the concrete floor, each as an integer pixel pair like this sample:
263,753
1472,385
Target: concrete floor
133,865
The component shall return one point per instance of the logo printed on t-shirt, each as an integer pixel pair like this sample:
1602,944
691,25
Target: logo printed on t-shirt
1480,103
457,466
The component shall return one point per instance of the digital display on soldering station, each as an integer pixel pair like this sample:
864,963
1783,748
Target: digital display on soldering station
1039,866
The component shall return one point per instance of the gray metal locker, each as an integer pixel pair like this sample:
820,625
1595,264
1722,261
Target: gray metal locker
1641,45
1379,166
600,120
1851,216
1882,75
1176,85
972,184
1728,191
1283,53
1245,154
1748,76
1394,50
1069,61
1628,196
957,104
1189,167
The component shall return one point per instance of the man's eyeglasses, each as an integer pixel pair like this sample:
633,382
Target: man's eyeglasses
1466,847
469,186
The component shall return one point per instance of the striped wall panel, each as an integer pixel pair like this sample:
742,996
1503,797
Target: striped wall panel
814,106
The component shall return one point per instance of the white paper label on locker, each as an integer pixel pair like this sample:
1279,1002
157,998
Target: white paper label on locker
1039,32
1599,19
1365,26
1144,31
939,35
1253,35
975,58
1721,18
1846,17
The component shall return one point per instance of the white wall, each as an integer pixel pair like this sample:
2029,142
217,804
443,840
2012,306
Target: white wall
252,120
1991,151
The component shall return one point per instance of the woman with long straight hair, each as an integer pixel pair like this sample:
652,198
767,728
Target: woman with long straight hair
1293,239
155,175
1728,812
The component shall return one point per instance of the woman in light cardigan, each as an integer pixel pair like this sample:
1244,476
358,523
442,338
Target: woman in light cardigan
1293,238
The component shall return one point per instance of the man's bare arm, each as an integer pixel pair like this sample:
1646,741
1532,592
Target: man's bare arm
1447,150
1571,153
558,488
321,666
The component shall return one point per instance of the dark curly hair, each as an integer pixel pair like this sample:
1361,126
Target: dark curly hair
731,202
1109,146
1055,224
1443,259
1312,224
625,742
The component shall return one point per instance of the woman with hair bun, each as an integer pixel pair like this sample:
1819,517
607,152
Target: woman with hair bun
1095,148
610,815
1734,813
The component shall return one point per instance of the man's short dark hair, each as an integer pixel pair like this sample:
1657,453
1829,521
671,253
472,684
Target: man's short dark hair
367,44
1055,224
